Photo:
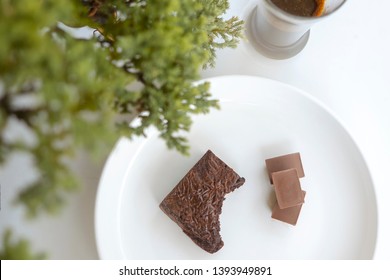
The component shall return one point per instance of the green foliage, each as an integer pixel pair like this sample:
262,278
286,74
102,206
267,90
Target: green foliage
17,250
71,93
70,97
163,44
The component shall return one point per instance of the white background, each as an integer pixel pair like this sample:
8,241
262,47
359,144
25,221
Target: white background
345,65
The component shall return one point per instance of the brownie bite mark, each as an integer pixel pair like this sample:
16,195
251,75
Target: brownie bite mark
195,203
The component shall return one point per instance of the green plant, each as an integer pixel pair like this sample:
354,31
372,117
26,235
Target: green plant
70,93
17,250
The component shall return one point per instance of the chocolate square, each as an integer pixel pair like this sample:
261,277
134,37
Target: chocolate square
287,215
285,162
287,188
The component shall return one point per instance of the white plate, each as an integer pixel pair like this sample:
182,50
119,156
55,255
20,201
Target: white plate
259,118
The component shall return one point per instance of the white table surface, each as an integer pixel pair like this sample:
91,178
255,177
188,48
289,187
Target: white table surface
345,65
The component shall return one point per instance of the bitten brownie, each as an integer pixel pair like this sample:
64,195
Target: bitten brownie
195,203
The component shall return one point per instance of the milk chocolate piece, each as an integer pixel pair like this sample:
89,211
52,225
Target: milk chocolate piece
287,188
285,162
196,201
287,215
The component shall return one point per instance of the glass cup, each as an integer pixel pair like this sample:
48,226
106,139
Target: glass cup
281,35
